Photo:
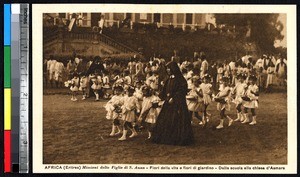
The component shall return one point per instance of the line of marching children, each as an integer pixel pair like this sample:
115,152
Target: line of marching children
244,94
138,106
132,105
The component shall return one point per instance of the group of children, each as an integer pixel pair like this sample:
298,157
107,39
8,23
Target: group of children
243,94
140,106
134,103
135,107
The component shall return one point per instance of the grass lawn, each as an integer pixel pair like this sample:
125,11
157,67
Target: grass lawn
78,133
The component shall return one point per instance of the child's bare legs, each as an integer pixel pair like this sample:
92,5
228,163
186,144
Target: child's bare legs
222,116
205,114
150,129
240,116
246,118
126,126
253,117
97,95
115,127
74,96
83,94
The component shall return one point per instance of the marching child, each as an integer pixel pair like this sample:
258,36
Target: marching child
113,108
127,78
138,93
150,109
83,85
206,89
239,91
74,86
251,100
97,84
152,81
114,77
220,72
106,84
194,98
223,102
130,108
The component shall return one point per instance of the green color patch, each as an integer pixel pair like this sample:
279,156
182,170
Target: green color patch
7,67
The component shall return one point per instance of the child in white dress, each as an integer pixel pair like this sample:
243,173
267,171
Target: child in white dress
251,100
239,91
130,108
194,98
223,102
152,81
97,84
83,85
74,86
150,109
138,93
127,78
206,89
114,112
106,85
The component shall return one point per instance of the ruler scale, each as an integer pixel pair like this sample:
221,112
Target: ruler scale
24,89
15,85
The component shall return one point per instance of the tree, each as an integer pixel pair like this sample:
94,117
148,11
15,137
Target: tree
265,28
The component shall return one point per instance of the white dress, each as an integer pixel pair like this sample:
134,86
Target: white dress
152,114
130,107
270,78
253,103
97,83
83,83
139,95
193,100
224,93
206,89
59,68
239,91
116,100
75,84
204,68
220,74
105,81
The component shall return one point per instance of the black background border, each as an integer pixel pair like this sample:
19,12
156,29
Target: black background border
225,2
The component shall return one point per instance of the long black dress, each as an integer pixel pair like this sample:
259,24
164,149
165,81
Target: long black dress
173,125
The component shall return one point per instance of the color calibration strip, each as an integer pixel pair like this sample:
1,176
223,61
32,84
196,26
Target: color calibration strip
7,88
16,88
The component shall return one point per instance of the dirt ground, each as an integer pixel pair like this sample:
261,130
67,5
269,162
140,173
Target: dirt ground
78,133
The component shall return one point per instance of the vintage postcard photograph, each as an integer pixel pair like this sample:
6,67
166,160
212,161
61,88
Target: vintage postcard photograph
164,88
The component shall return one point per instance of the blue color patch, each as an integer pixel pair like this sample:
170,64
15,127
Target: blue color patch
7,24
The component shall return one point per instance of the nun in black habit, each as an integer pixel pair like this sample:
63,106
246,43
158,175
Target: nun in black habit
173,125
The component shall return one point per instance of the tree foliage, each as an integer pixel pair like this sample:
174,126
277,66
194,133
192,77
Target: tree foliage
265,28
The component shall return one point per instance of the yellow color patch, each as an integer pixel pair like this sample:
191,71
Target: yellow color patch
7,109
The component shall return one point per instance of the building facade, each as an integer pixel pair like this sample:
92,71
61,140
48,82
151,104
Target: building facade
178,20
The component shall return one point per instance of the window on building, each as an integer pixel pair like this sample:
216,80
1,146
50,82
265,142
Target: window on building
128,15
95,17
62,15
143,16
85,19
189,19
156,18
